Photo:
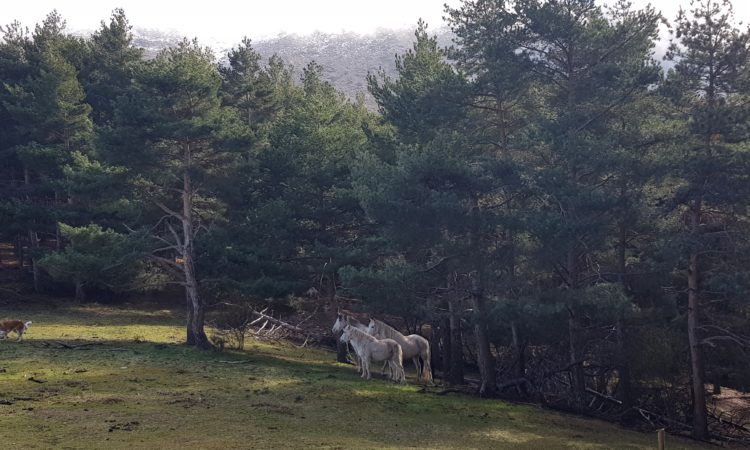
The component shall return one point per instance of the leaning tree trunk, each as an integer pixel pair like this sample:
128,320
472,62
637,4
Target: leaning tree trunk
700,419
196,314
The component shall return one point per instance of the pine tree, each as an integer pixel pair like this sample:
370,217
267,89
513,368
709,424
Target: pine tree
435,194
574,69
109,66
51,124
177,142
94,257
293,220
247,86
708,85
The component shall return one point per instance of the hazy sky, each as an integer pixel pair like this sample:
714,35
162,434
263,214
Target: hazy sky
230,20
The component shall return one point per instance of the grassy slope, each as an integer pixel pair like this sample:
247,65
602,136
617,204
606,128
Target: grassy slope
136,387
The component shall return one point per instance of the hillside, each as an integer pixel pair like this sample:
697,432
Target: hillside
95,377
346,58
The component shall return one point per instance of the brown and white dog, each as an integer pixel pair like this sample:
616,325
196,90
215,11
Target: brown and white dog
8,326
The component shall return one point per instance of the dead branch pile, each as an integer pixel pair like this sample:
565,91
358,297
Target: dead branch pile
236,322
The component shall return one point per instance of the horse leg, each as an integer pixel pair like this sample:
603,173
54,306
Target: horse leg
427,368
382,371
417,366
368,369
398,372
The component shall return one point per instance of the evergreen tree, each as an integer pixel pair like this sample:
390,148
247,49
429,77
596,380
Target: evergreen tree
437,196
109,67
94,257
708,85
293,220
576,68
51,124
177,142
247,86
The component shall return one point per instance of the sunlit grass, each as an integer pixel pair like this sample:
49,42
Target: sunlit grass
127,382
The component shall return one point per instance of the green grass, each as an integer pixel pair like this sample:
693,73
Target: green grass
135,386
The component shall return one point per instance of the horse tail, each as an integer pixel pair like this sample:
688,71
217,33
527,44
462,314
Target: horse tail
401,375
426,359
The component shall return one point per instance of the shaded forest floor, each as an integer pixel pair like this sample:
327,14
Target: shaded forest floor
103,377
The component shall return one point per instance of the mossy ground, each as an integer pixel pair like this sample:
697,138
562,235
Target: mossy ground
135,386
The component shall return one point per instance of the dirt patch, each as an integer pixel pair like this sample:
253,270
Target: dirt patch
274,408
127,426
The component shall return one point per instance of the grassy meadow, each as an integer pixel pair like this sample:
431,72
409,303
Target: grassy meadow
102,377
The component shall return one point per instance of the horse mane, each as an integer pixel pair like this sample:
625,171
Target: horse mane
351,320
360,334
387,330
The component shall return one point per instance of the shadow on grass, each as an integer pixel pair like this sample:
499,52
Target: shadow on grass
311,400
92,314
303,393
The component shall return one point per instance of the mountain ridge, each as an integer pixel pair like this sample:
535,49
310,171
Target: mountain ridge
346,57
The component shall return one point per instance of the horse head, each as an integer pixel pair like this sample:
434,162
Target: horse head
339,324
371,327
347,334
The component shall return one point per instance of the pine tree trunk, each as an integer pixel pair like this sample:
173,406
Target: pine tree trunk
485,358
445,347
519,349
456,346
189,308
578,381
19,252
700,419
625,384
342,352
197,315
34,244
80,292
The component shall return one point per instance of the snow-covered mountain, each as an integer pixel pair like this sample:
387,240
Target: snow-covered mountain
346,58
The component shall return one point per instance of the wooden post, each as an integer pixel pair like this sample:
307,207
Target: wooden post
660,437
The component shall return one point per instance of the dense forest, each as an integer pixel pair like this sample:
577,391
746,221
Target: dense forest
569,218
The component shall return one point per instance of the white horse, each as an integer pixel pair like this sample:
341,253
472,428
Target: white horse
369,349
342,320
413,346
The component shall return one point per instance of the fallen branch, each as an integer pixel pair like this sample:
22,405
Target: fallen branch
278,322
58,344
